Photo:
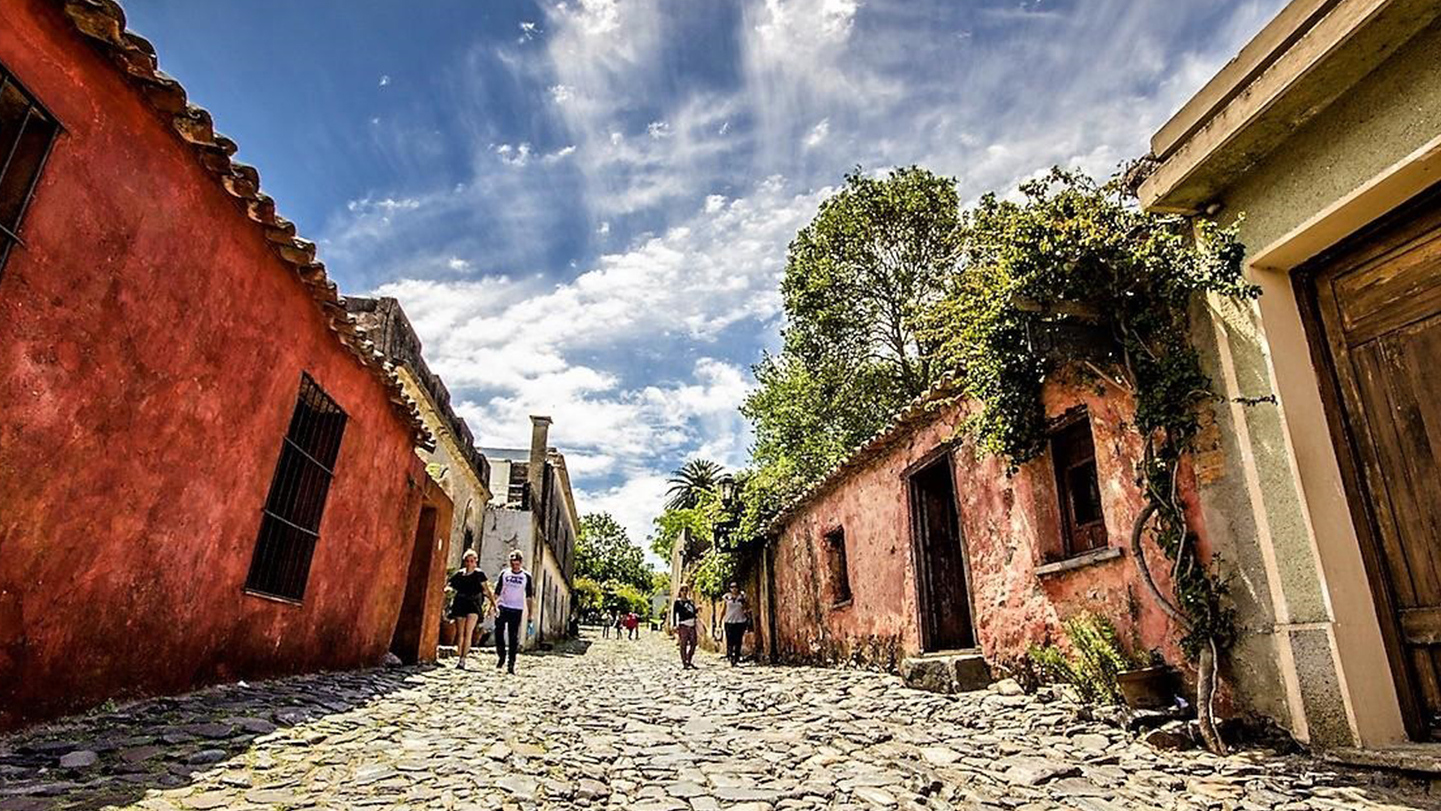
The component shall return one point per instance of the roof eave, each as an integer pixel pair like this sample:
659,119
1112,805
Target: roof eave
1321,50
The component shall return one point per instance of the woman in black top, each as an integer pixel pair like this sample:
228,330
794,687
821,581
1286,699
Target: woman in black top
683,614
471,594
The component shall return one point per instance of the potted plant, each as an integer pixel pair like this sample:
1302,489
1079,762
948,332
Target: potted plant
1149,686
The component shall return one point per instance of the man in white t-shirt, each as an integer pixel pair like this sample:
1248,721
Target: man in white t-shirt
514,596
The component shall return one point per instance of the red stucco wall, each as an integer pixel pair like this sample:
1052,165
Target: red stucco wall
1011,525
151,348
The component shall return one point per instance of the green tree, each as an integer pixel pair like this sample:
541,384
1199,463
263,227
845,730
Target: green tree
690,482
857,280
589,596
604,553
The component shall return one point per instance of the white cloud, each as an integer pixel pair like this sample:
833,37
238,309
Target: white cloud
384,80
518,155
818,133
636,354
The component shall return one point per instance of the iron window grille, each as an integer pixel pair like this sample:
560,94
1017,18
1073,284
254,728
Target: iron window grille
290,519
1083,523
27,131
840,575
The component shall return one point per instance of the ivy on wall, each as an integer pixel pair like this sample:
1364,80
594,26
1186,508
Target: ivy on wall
1074,272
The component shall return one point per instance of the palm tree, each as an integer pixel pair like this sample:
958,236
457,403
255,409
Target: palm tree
687,484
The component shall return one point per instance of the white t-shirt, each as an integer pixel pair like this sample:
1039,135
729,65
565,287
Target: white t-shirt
511,589
735,607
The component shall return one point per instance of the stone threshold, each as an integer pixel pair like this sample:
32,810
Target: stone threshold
1423,758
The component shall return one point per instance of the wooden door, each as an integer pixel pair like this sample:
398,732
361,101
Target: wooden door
1378,303
945,602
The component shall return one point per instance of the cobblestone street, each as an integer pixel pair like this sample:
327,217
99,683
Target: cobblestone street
619,726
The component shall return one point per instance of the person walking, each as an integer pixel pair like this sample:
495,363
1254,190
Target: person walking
619,619
515,596
632,622
606,623
683,614
472,593
736,618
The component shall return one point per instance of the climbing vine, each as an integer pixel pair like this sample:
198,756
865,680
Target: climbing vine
1073,273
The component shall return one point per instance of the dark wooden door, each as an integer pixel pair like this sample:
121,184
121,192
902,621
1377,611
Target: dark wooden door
945,603
1378,301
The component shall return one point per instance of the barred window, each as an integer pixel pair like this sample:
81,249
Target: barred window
290,520
26,132
840,575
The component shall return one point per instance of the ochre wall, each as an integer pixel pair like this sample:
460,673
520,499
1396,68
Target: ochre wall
151,348
1009,524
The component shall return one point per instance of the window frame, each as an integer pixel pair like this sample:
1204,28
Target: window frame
838,566
10,233
270,558
1077,539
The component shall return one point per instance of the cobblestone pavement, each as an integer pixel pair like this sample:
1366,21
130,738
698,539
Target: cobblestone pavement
619,726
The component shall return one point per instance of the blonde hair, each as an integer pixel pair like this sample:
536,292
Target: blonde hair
470,553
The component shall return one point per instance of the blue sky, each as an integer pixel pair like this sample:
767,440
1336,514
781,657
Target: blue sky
584,205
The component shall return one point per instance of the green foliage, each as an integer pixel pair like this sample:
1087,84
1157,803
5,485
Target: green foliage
699,521
605,553
694,480
1096,658
588,594
625,598
715,569
857,279
1072,253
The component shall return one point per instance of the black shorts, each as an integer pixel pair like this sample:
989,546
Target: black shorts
462,606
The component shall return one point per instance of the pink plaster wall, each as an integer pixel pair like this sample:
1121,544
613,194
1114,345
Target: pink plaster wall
1011,525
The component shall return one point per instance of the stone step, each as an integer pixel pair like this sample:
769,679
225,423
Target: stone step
950,672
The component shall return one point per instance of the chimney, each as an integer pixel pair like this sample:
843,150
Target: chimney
539,439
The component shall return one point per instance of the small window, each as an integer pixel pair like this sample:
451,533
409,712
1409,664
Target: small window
26,132
290,520
1083,525
839,571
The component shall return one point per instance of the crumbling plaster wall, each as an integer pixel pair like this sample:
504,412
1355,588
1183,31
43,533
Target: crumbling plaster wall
1011,525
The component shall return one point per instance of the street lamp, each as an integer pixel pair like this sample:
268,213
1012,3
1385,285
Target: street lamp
727,487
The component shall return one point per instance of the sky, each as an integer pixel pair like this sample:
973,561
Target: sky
584,206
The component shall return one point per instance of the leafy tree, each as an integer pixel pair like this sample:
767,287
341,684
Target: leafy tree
604,553
857,280
589,596
690,482
876,255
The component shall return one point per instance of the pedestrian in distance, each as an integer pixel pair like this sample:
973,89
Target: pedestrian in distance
683,614
607,623
619,623
632,623
736,618
515,596
472,593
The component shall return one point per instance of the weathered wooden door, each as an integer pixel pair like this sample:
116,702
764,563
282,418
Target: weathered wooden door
945,604
1378,300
